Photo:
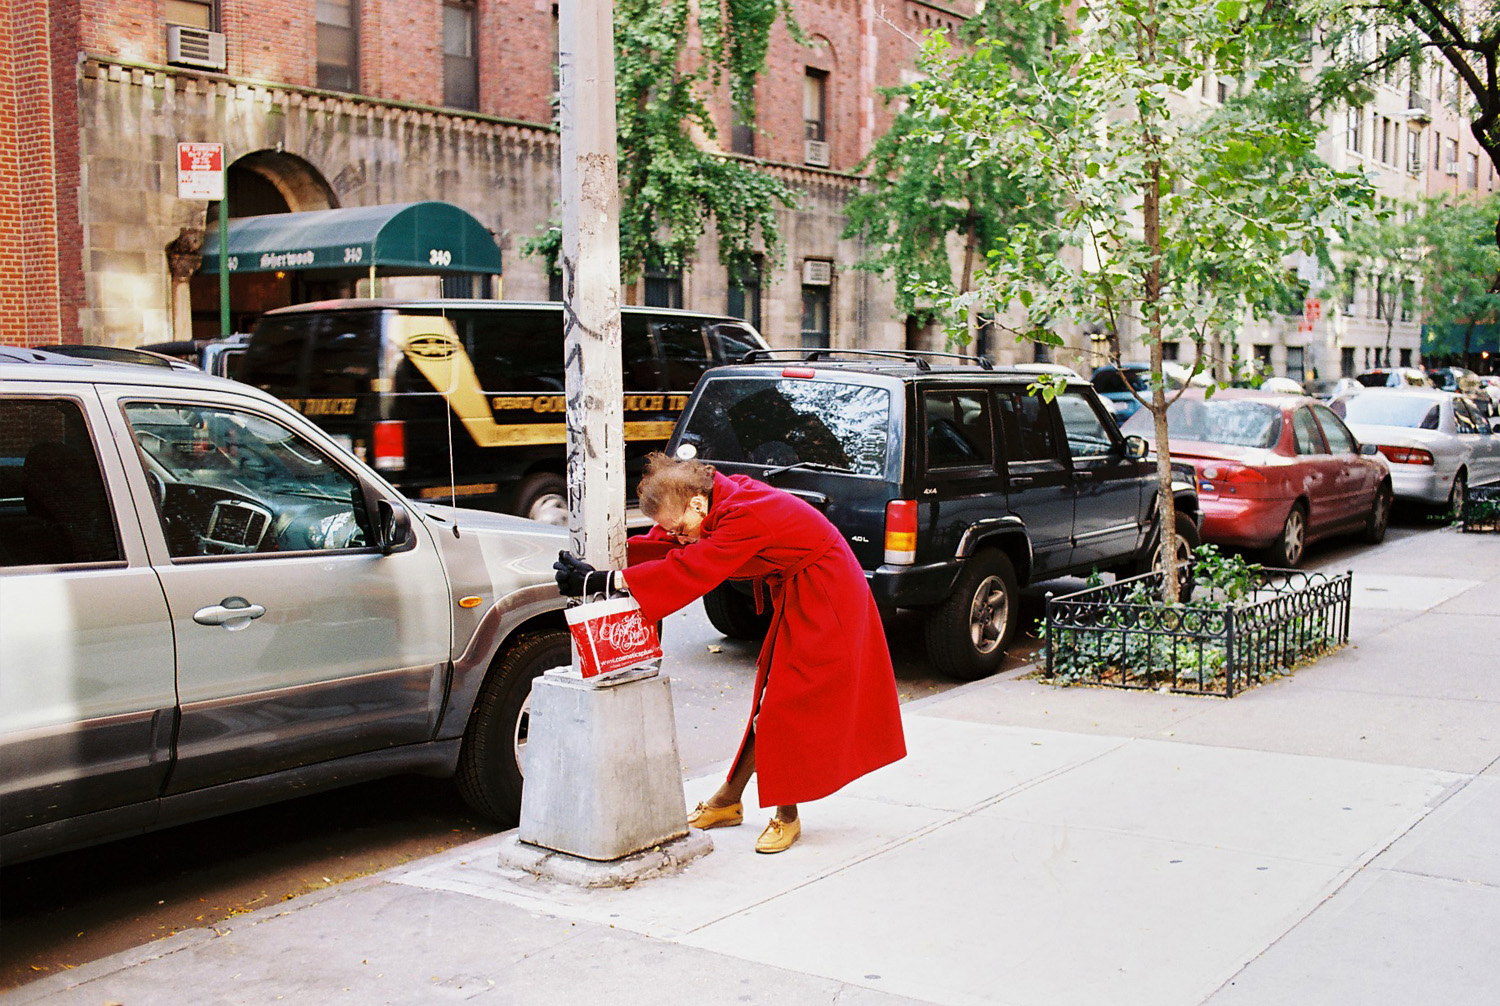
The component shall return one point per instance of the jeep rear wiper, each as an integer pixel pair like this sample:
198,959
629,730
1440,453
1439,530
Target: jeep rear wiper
817,466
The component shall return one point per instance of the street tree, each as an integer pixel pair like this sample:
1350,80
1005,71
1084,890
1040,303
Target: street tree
671,58
1175,217
924,198
1382,250
1457,263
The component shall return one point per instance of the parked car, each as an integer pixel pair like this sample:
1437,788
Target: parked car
1467,383
1114,384
210,605
117,354
1275,472
1394,377
223,356
465,397
1437,444
953,485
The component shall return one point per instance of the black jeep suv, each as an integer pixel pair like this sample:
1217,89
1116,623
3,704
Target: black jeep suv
953,481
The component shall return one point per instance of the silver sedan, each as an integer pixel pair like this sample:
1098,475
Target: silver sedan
1436,442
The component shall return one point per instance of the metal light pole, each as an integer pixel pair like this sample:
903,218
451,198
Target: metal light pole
603,780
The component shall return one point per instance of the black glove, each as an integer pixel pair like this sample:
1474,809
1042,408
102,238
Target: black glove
574,575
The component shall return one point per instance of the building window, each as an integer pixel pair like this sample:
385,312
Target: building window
1408,295
1386,153
815,104
1346,361
1406,358
1354,133
1471,171
1262,357
1351,289
1170,350
1295,368
1222,91
816,320
460,66
338,45
742,137
663,288
1413,152
1041,352
744,293
191,14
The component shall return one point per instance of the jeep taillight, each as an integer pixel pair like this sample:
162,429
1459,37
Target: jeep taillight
901,532
390,445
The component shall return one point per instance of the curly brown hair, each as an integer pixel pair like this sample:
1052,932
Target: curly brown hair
670,482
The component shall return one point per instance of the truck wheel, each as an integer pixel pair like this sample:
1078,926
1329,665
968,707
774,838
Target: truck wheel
967,634
733,613
544,497
491,761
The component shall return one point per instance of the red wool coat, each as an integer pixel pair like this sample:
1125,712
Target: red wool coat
825,694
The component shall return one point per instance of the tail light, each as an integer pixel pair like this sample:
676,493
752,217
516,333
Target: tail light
1407,455
390,445
1234,475
901,532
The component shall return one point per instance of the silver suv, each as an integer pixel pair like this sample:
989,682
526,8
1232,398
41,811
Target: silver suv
207,604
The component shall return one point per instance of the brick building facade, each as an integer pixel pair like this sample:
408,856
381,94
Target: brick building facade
341,103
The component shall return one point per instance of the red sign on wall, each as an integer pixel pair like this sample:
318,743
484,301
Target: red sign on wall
1312,309
200,171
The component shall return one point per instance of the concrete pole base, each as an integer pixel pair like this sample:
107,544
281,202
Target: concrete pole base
669,857
603,780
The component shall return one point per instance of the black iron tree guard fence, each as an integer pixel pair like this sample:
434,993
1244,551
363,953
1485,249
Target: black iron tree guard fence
1480,510
1120,634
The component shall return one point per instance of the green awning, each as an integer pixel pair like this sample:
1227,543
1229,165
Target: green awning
411,238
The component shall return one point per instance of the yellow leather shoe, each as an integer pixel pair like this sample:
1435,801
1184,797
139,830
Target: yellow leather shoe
779,835
705,817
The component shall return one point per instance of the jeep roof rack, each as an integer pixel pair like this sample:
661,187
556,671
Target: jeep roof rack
914,356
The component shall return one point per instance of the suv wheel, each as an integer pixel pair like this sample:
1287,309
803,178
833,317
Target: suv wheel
968,633
734,614
490,765
544,497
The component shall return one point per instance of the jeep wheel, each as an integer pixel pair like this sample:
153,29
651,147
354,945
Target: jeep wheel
544,497
491,762
968,633
734,614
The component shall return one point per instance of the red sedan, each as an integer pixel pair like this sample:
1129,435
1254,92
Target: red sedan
1275,471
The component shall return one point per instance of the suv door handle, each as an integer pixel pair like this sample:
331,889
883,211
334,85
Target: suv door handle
1083,476
232,613
1021,481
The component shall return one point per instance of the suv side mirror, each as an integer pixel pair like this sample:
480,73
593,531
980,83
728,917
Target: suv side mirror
395,527
1136,448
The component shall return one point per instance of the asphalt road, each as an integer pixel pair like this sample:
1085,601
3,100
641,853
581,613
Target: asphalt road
69,909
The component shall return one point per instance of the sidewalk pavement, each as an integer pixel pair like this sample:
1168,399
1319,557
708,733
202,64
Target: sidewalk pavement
1326,838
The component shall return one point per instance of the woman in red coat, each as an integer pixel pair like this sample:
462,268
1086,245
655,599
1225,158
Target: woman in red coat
825,710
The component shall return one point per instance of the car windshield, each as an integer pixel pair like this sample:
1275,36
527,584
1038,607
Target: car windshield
1234,422
778,422
1416,412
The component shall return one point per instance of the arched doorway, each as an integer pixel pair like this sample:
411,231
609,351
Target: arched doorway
257,184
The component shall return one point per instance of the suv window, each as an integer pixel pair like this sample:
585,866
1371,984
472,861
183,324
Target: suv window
1029,435
1305,432
771,421
1087,434
54,508
229,482
513,350
958,429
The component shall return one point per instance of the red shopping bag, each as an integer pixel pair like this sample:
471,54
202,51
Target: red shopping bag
612,635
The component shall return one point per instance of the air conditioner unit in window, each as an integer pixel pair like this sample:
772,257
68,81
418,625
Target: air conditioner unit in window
195,47
816,272
1451,168
815,152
